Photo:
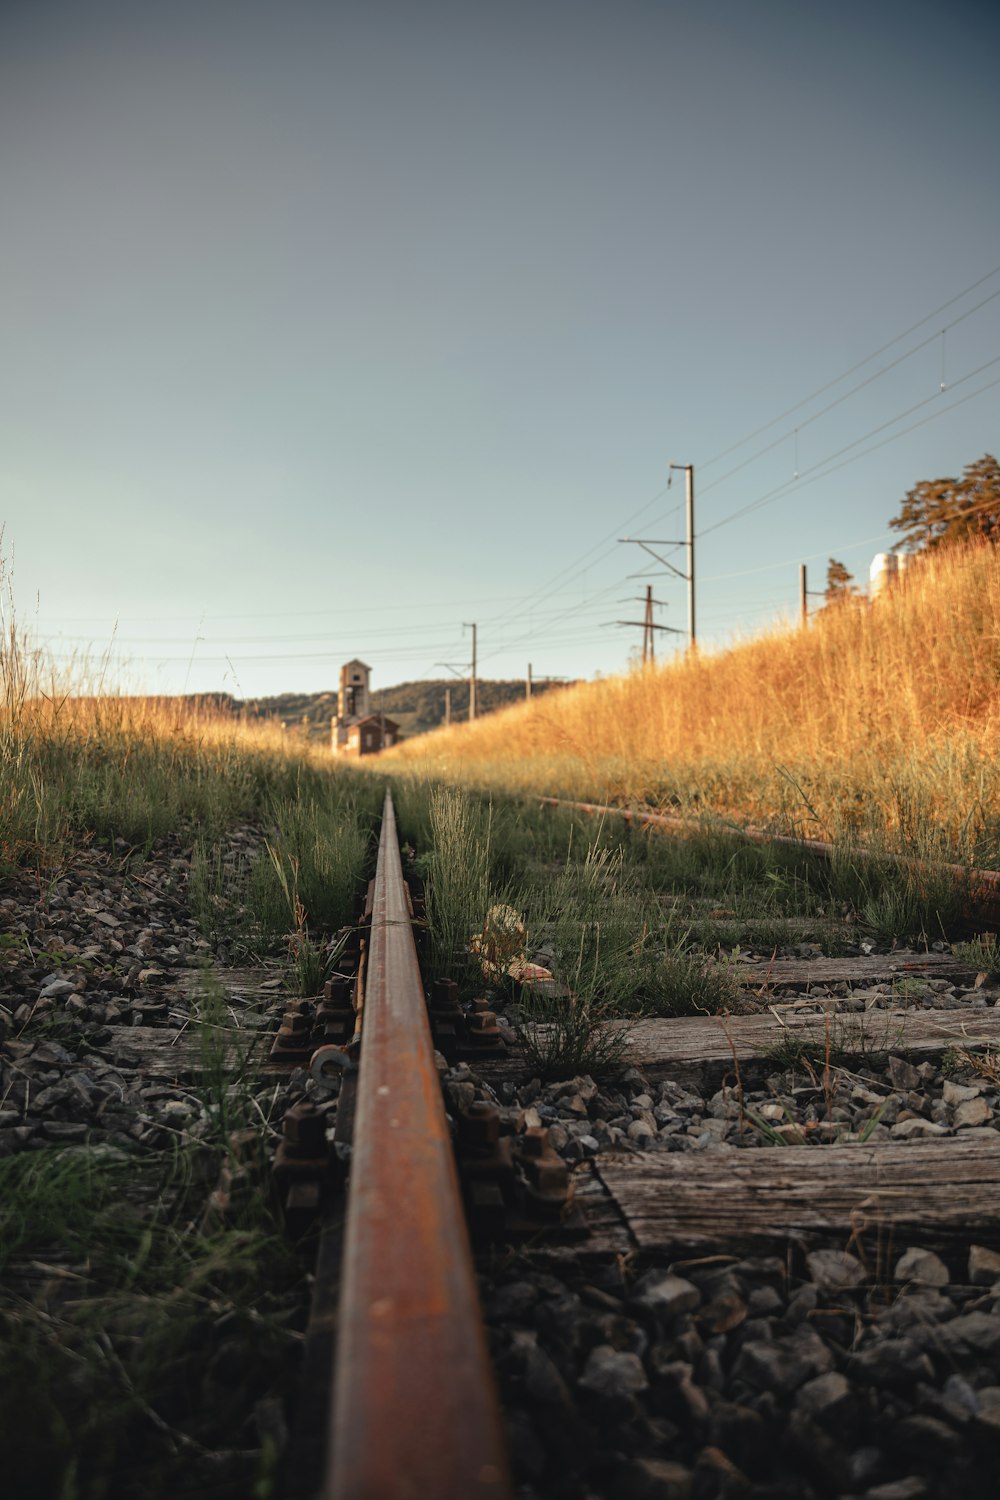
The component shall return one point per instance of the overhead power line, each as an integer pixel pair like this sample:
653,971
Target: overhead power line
822,464
825,410
821,390
829,385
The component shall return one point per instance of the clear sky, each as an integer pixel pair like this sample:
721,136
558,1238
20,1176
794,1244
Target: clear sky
327,327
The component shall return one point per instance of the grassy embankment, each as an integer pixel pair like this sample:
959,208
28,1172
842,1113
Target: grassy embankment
98,770
876,723
151,1329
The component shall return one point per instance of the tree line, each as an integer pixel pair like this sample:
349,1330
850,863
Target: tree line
936,513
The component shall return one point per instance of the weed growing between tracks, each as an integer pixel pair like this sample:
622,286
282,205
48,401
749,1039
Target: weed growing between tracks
148,1339
633,922
295,886
459,890
587,912
982,952
851,1043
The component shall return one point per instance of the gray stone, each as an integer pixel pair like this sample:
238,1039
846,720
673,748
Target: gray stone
865,1464
680,1098
922,1266
783,1364
827,1397
925,1439
910,1488
657,1479
762,1301
903,1074
690,1404
897,1363
915,1311
834,1270
178,1109
959,1391
973,1112
50,1098
543,1382
959,1093
802,1303
665,1295
984,1266
914,1129
975,1332
55,989
610,1371
64,1130
739,1431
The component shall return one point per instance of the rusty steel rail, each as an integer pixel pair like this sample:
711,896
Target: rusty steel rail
415,1413
982,887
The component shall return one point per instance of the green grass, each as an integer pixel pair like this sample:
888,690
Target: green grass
561,1037
981,953
850,1042
459,890
134,1343
298,888
143,1318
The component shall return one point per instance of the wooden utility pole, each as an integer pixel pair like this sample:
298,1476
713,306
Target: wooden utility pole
805,594
648,636
527,682
447,707
472,675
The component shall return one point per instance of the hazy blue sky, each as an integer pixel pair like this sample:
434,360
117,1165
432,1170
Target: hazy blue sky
325,327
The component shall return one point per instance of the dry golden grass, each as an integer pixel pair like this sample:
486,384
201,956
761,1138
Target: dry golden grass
878,720
185,723
79,763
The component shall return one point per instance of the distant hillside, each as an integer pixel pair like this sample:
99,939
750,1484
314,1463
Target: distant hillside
416,706
419,706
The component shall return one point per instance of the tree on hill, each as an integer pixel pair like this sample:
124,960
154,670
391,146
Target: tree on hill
839,583
938,512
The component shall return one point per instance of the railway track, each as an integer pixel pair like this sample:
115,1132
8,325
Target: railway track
671,1310
415,1409
846,1199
